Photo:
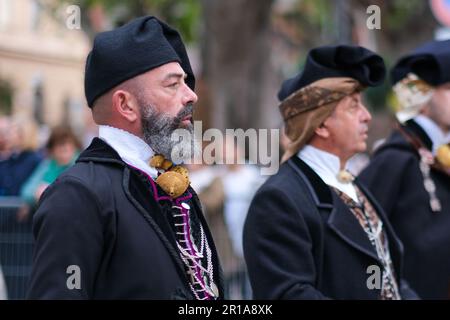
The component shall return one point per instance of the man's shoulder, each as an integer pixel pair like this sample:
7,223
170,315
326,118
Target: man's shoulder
92,173
90,186
287,196
281,179
395,149
288,182
97,179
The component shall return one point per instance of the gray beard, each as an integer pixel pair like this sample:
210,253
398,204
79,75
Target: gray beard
158,129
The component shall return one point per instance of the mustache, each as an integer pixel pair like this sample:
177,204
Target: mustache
186,111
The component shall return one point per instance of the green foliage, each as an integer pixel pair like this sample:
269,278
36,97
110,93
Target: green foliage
313,19
183,15
399,13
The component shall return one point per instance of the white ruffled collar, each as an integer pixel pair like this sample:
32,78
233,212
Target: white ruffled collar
132,149
327,166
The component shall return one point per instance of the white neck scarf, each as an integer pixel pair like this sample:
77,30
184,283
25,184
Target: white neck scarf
327,167
132,149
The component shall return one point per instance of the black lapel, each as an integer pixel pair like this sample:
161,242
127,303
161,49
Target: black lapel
344,223
153,215
140,192
341,220
320,192
140,196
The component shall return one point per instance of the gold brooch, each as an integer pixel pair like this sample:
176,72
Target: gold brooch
443,155
345,177
175,180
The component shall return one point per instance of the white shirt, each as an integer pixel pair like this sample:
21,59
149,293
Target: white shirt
239,186
202,178
436,135
327,166
132,149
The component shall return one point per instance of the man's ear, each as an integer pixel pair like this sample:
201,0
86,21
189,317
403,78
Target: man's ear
322,131
125,104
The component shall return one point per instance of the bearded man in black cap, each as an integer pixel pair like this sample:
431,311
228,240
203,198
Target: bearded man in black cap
123,223
410,173
312,232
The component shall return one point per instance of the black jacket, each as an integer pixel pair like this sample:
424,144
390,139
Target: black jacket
395,179
302,242
100,216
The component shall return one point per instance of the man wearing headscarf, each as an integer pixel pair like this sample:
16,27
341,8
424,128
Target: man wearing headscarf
312,231
410,173
123,223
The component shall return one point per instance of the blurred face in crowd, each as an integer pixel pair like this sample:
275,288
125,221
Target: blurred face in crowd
166,104
438,109
15,136
345,131
4,133
63,152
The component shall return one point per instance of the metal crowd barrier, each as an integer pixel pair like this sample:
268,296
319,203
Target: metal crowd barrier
16,247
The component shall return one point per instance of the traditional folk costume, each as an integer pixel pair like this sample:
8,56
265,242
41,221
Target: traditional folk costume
410,173
311,231
129,231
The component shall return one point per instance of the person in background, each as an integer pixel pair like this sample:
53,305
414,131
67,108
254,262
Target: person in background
241,180
63,149
312,231
225,191
4,130
3,143
409,173
18,158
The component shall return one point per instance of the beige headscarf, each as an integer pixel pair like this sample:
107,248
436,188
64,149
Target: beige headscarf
307,108
412,94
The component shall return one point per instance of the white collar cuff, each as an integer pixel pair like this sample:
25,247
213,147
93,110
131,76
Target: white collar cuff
132,149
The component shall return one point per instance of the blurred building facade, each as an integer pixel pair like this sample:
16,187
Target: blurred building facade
43,62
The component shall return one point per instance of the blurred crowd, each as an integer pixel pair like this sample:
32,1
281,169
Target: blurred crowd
27,168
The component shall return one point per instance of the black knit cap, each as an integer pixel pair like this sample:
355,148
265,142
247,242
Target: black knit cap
337,61
430,62
132,49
